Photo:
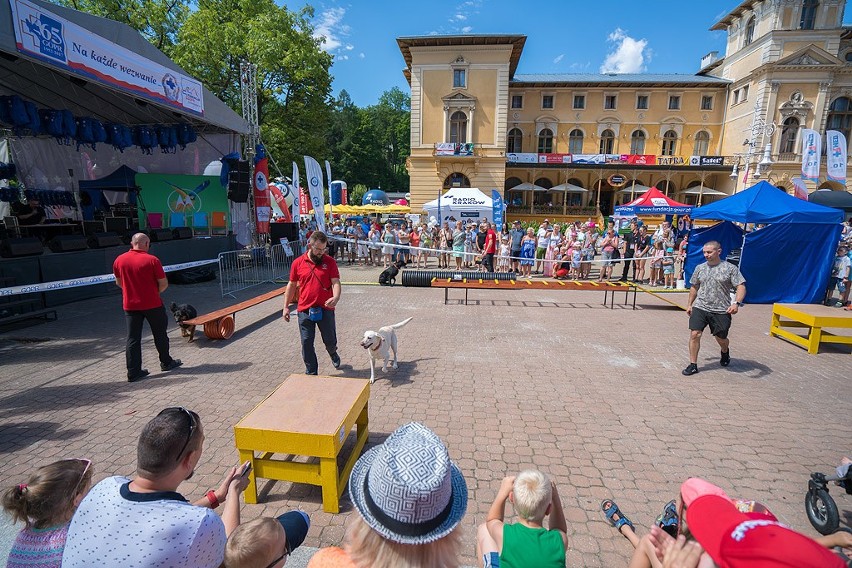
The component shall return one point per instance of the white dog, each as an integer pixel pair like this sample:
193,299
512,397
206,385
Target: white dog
380,344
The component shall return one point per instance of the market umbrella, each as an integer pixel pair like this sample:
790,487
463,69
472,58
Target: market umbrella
703,190
569,188
527,186
637,189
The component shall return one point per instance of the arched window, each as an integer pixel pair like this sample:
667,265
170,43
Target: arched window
458,127
456,179
749,33
667,187
575,199
789,134
575,141
840,116
607,141
702,143
637,142
513,141
669,143
544,182
545,141
512,182
809,10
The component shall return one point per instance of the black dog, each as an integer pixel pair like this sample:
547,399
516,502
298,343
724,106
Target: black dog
183,312
388,275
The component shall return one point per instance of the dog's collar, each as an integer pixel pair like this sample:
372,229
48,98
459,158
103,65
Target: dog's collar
376,348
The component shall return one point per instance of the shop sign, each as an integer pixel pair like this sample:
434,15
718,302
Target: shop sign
673,160
706,160
554,158
42,34
518,158
616,180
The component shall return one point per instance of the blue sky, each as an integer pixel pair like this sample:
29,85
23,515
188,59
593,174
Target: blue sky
661,36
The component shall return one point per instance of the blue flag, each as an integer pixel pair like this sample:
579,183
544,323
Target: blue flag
497,209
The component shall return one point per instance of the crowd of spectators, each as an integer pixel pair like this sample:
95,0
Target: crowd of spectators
410,499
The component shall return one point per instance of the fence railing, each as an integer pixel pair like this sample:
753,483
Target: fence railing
242,269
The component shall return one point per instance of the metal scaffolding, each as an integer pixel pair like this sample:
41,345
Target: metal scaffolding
248,90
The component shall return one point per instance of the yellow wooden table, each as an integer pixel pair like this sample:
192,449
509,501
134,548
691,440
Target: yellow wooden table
305,416
814,317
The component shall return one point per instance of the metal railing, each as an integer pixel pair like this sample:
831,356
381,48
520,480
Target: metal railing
242,269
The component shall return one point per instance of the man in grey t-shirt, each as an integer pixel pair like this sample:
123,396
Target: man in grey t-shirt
710,303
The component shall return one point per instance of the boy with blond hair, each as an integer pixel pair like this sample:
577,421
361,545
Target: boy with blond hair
266,542
526,542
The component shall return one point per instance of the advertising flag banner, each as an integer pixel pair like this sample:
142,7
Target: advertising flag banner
811,151
835,149
800,190
589,158
521,158
260,187
641,159
299,196
497,209
42,34
313,172
554,158
673,160
283,197
330,200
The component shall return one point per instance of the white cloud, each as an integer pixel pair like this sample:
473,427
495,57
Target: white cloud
460,17
467,29
361,55
559,58
628,54
332,30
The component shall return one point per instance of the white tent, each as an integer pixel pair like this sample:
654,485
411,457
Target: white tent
461,203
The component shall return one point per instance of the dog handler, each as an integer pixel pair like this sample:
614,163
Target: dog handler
142,279
315,283
710,303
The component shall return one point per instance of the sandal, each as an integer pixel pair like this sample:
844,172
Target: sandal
611,510
668,520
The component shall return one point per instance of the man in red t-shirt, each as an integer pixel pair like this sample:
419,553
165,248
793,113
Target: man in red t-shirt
141,279
315,283
490,246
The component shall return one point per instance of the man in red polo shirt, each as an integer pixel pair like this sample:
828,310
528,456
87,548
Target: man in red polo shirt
315,282
141,279
490,246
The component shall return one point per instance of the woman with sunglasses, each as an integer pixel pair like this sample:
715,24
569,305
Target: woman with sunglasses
45,505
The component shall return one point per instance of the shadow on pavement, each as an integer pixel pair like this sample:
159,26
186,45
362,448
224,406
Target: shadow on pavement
20,435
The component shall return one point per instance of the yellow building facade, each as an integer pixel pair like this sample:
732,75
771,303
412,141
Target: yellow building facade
574,145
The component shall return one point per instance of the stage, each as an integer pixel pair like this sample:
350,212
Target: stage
51,266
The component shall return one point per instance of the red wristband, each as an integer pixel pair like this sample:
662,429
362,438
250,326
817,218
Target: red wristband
214,501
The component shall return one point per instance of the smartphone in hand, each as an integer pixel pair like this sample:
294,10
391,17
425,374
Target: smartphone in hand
246,470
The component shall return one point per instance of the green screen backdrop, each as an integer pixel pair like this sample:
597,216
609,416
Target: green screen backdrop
176,197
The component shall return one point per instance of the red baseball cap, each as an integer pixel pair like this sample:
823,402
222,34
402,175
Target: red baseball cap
735,540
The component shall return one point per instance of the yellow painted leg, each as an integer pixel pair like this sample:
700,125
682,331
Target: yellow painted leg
776,323
251,491
814,339
330,494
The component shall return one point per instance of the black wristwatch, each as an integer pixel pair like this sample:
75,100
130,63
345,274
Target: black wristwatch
740,304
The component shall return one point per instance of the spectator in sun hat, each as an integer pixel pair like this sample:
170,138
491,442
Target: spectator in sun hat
733,539
410,498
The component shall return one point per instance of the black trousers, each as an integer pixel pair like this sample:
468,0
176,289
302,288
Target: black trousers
158,322
308,331
628,255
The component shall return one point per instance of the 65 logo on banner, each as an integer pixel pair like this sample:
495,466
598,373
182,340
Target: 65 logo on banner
44,32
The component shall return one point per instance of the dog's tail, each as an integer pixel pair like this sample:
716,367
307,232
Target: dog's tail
402,323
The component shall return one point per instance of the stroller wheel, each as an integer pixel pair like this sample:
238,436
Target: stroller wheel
822,511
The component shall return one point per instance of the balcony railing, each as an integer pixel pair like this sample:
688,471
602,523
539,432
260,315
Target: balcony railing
457,150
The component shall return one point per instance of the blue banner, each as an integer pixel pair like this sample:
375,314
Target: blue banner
497,209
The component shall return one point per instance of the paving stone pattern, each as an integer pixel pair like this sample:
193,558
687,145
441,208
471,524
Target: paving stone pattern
551,380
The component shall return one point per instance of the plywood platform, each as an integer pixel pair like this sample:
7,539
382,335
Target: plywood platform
813,317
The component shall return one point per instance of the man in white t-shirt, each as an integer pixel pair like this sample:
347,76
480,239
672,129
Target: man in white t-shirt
542,242
145,521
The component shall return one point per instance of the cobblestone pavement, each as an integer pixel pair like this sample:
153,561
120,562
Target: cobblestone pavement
545,379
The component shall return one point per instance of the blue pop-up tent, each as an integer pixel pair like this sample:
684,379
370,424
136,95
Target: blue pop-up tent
788,259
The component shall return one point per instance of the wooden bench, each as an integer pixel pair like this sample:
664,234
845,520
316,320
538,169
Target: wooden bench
813,317
220,324
305,416
45,313
526,284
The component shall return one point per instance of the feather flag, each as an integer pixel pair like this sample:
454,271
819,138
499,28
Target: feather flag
811,151
835,149
297,194
313,172
800,190
260,187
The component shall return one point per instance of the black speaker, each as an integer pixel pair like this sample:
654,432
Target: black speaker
104,240
67,243
239,181
277,231
182,233
159,235
27,246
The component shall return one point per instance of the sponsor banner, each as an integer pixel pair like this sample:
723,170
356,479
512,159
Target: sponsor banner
260,188
497,209
554,158
800,190
524,158
89,280
42,34
297,191
707,161
284,199
673,160
454,201
835,149
811,150
470,214
304,203
589,158
328,179
452,149
640,159
313,172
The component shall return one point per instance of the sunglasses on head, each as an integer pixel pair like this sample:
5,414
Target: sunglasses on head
192,426
82,475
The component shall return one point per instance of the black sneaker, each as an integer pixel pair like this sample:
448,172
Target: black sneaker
141,374
335,360
725,360
173,364
691,369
